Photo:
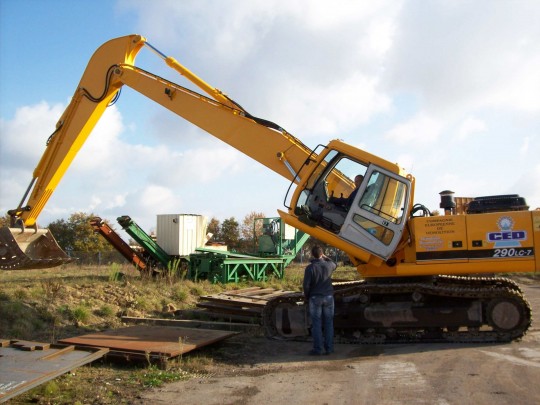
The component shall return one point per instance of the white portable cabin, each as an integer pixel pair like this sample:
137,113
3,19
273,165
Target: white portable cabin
181,234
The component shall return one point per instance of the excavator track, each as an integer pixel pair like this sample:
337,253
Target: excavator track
438,309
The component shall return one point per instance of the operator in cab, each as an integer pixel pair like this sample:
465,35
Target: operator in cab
346,202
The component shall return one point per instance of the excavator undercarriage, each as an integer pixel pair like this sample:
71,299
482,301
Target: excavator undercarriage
433,309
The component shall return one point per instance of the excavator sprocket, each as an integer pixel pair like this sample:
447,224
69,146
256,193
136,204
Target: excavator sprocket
29,249
438,309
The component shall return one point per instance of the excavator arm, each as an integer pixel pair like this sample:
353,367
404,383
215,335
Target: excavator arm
317,175
93,94
110,68
23,245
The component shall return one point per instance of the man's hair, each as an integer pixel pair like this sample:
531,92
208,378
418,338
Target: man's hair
317,251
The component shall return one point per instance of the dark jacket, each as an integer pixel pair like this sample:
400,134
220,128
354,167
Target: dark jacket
318,277
344,202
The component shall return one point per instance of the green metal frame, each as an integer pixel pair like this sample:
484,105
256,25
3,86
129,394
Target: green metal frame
144,240
227,267
285,248
221,266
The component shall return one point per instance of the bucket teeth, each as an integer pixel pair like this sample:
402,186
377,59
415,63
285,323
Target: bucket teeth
29,249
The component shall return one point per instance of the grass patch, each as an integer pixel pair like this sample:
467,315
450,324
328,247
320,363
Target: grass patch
155,377
105,311
80,314
20,294
4,296
180,293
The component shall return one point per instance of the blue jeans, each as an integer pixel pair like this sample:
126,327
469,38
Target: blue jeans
321,311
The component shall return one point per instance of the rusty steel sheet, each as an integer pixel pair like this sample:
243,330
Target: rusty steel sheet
153,342
192,323
244,302
25,365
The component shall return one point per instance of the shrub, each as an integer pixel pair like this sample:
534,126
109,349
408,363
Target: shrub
80,314
105,311
20,294
180,293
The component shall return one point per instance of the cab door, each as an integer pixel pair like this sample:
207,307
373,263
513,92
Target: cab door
376,218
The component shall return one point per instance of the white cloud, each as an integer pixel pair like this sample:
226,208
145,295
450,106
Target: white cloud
470,126
419,130
24,137
236,31
527,186
109,176
461,55
310,69
158,199
23,140
103,146
329,69
313,109
406,161
525,146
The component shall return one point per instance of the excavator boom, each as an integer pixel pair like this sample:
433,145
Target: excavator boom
111,67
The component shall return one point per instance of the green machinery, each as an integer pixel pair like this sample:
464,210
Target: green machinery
230,267
146,241
275,246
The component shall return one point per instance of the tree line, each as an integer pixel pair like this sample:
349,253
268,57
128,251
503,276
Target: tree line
75,234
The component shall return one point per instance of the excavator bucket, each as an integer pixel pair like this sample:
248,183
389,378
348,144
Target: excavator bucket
29,249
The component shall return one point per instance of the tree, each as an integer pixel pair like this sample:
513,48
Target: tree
62,233
250,230
230,233
76,234
215,229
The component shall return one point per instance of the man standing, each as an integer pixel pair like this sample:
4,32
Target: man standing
319,295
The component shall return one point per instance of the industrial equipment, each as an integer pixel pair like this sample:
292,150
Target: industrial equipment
145,240
396,245
181,250
277,244
137,259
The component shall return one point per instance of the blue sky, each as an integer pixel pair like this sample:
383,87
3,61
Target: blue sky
450,90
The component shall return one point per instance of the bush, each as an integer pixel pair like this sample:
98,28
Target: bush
105,311
180,293
80,314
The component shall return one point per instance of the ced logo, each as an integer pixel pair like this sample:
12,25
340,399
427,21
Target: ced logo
506,237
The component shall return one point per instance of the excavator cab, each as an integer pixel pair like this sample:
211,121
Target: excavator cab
377,215
372,216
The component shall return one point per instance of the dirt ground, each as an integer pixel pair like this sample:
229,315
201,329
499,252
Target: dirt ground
255,370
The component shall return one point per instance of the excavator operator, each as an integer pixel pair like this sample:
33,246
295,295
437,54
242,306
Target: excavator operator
346,202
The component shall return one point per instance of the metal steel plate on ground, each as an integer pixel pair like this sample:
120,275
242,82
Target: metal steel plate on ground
156,342
25,365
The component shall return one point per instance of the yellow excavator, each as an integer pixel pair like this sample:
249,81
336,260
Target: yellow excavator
424,277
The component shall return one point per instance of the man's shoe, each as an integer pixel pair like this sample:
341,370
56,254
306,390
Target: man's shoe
314,353
330,352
